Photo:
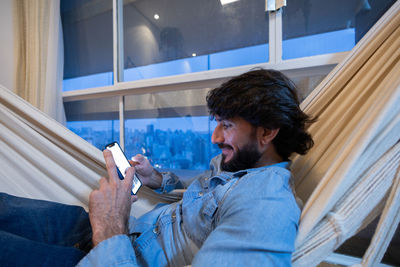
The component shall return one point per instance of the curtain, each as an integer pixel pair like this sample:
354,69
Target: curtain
40,55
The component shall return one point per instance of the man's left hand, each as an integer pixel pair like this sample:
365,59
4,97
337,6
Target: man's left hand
110,205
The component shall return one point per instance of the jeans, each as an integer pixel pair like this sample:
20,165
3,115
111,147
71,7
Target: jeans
42,233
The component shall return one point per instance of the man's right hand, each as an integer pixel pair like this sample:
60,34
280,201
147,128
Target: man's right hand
147,174
110,205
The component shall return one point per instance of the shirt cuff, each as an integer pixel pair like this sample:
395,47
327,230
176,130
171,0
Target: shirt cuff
169,182
114,251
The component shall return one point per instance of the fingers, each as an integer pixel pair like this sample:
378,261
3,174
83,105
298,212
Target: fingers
129,176
134,198
128,181
110,164
103,181
133,163
142,166
113,178
139,158
93,196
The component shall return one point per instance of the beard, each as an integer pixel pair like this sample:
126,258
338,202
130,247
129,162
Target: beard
244,158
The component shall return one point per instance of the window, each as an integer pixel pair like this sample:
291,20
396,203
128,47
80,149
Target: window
172,129
314,27
172,143
88,43
175,50
169,37
95,120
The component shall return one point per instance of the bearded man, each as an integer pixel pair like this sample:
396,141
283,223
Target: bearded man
241,212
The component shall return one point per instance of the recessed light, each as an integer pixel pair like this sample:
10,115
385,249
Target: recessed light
194,54
224,2
156,16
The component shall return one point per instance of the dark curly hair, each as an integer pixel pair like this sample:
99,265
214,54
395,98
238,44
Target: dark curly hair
265,98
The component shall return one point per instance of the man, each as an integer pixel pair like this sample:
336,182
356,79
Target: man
243,215
240,212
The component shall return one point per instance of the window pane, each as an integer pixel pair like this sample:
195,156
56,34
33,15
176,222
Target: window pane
88,43
172,129
96,121
313,27
172,143
97,132
172,37
306,84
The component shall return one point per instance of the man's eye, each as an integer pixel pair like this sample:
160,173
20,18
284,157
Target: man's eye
226,126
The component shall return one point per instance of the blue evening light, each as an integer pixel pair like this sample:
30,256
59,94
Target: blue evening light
318,44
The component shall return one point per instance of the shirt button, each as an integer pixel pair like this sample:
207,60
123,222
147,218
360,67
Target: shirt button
201,194
155,230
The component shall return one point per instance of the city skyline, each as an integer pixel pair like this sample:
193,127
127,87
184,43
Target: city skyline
166,148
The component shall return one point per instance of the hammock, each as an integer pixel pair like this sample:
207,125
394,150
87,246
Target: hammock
42,159
355,160
348,174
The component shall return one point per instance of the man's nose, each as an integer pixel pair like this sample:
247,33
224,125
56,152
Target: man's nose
217,136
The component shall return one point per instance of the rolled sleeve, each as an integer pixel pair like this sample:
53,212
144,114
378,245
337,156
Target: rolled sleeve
115,251
169,182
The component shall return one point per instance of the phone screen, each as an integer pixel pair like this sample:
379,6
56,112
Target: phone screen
122,164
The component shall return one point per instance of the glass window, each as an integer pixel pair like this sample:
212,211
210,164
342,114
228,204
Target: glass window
172,143
307,83
88,43
314,27
172,37
172,129
96,121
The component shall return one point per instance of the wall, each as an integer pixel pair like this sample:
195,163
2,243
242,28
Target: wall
6,44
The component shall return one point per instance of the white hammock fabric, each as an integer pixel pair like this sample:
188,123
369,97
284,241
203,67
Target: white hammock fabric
359,123
44,160
356,152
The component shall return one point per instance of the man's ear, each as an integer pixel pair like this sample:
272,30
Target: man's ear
267,135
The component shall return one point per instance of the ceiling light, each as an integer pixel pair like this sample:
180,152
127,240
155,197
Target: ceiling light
156,16
225,2
194,54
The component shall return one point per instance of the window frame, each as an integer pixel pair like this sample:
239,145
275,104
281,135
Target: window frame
298,67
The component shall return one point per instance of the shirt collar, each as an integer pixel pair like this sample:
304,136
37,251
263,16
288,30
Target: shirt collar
283,164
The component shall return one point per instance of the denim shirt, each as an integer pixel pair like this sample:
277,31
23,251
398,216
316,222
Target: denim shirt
246,218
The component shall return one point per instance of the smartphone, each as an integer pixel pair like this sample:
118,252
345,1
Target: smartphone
122,164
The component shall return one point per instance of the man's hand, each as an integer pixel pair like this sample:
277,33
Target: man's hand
147,174
110,205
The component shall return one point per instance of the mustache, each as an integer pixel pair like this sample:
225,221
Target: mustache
221,146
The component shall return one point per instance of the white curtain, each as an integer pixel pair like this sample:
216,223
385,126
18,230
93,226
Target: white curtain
40,55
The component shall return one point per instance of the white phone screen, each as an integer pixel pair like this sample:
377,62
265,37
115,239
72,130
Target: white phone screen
123,164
